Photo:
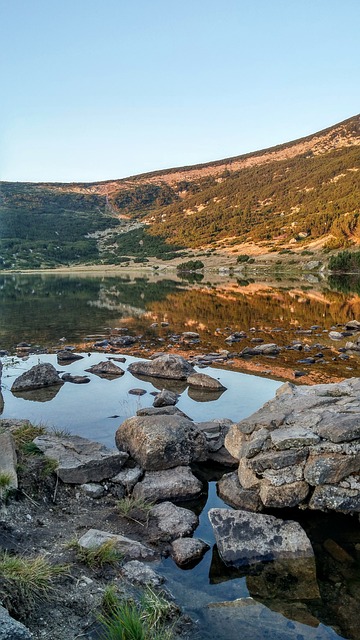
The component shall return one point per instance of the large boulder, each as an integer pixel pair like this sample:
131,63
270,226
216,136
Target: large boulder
41,375
171,484
80,460
245,538
161,441
166,366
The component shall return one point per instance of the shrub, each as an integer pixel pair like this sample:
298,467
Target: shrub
190,265
243,257
345,262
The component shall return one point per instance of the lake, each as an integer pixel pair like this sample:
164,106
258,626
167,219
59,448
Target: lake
46,312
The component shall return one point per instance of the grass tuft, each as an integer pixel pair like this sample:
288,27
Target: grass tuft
23,436
129,503
97,557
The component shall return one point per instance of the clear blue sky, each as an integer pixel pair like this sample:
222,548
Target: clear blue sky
100,89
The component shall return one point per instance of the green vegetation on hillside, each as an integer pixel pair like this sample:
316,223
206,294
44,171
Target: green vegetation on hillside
140,244
345,262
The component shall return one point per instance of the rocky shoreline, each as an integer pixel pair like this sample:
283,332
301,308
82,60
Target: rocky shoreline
301,449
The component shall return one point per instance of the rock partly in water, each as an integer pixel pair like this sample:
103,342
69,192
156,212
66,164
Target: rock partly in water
41,375
245,538
137,572
187,551
167,366
178,483
161,441
106,368
80,460
165,398
67,356
205,382
172,521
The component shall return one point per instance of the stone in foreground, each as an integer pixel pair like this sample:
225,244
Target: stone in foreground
41,375
80,460
8,459
188,550
11,629
172,521
167,366
171,484
245,538
161,441
130,549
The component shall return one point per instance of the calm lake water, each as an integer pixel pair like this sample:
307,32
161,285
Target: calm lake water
49,312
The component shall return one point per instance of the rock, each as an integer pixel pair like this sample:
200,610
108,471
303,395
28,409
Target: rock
339,427
177,483
1,370
353,325
80,460
8,460
278,459
141,574
123,341
161,411
161,441
172,521
330,497
128,478
215,432
352,346
270,349
68,356
41,375
167,366
106,368
188,550
245,538
187,336
204,382
293,437
230,490
11,629
67,377
330,468
93,490
165,398
335,335
137,392
285,495
130,549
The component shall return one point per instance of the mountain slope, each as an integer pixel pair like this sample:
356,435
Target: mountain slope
292,194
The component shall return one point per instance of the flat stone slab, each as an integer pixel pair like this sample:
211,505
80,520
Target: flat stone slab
178,483
80,460
8,459
131,549
245,538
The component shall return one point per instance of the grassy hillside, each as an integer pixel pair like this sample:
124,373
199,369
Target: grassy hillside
278,198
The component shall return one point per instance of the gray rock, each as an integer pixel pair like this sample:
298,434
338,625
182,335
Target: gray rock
11,629
230,490
130,549
41,375
106,368
68,356
278,459
214,432
123,341
205,382
128,478
340,427
161,411
188,550
173,521
93,490
244,538
161,441
335,335
165,398
331,468
330,497
353,325
167,366
293,437
258,441
138,573
8,459
177,483
80,460
286,495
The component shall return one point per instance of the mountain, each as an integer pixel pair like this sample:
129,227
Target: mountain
298,195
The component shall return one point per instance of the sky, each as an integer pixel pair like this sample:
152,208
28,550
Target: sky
102,89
